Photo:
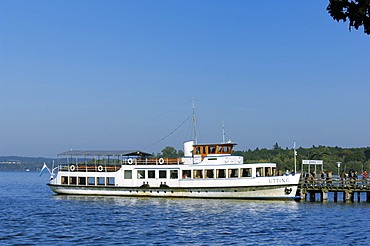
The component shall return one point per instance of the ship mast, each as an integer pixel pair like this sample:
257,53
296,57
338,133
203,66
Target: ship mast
195,124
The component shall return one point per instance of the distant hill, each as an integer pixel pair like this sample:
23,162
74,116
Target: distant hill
18,163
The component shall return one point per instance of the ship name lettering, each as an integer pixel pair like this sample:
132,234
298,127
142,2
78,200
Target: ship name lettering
278,180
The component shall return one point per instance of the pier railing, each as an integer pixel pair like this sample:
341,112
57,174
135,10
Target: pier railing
347,187
335,184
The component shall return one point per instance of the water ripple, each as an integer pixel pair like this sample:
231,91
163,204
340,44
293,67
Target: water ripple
31,215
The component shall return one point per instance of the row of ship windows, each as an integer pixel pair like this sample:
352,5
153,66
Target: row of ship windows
201,173
71,180
212,150
172,174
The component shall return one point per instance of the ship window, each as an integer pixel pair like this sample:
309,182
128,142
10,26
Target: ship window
246,172
141,174
259,172
72,180
197,150
209,173
268,171
221,173
186,174
64,180
101,180
91,180
151,174
233,173
162,174
212,149
204,150
224,149
274,171
174,174
128,174
82,180
110,181
198,174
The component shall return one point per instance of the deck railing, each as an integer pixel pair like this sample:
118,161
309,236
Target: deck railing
114,166
153,161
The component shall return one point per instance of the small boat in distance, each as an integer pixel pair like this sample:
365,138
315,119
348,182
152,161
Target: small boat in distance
205,171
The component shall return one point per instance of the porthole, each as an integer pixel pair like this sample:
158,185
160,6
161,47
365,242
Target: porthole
171,191
222,190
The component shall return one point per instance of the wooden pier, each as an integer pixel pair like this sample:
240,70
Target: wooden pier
346,190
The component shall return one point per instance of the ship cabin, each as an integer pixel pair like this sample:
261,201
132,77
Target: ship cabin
213,149
210,154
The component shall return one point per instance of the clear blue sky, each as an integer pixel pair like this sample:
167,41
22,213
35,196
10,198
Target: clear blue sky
121,75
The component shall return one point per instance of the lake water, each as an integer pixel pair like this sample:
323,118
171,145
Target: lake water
31,214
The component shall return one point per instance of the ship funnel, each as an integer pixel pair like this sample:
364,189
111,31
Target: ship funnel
188,148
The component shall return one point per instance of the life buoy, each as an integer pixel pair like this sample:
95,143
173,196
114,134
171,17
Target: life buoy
130,161
100,168
161,161
72,168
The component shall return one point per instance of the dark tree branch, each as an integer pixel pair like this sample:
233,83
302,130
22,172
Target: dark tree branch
355,11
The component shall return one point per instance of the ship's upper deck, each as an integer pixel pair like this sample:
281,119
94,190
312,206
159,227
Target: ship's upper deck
213,149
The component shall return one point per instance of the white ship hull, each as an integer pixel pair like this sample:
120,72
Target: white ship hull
272,192
274,187
211,173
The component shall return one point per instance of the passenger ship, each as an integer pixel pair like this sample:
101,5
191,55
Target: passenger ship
205,171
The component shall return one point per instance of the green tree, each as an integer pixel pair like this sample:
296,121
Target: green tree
171,152
367,153
357,155
355,11
276,146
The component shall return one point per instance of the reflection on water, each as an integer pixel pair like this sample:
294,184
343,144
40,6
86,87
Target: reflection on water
31,214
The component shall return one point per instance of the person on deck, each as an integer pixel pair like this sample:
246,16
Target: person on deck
364,177
329,177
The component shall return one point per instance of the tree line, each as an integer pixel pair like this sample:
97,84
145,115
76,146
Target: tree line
349,158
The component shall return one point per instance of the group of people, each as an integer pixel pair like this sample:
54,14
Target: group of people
352,174
352,177
322,174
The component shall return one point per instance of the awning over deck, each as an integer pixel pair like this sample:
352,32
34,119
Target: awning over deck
104,153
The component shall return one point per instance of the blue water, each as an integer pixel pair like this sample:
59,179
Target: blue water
31,214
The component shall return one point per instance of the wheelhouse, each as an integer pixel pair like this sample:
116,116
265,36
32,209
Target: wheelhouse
213,149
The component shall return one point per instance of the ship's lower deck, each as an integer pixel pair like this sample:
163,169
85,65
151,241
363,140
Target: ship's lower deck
276,192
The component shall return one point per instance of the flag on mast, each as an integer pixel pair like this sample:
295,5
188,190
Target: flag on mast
44,167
